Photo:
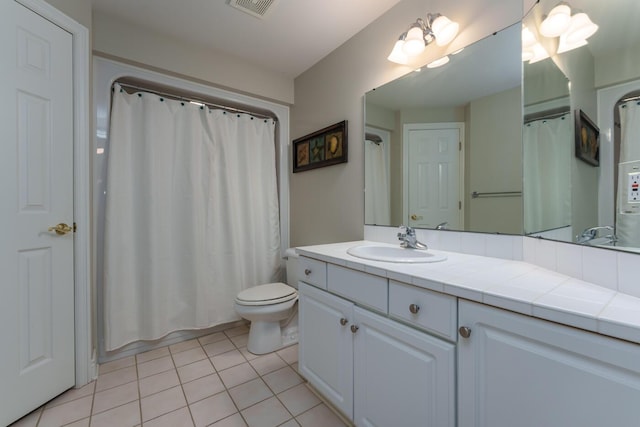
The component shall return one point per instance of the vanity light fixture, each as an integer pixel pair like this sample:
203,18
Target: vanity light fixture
437,28
438,62
557,22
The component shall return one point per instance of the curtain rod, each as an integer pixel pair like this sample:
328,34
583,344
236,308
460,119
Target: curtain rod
545,115
630,98
199,101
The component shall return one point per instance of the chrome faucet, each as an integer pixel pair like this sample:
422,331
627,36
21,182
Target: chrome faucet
408,240
591,233
442,226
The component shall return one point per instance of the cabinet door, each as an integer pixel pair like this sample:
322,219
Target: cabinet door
326,345
402,377
515,370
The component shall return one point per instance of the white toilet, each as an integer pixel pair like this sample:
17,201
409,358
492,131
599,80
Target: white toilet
272,310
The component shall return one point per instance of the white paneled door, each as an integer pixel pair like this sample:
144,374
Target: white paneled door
36,187
433,175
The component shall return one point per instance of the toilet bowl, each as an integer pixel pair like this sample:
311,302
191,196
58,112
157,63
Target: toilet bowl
272,310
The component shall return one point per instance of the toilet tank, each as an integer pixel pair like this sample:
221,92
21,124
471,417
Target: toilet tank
293,275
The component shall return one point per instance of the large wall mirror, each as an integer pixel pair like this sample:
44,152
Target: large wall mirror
443,146
571,197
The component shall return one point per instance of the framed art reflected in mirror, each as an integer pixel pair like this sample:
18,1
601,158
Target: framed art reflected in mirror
587,139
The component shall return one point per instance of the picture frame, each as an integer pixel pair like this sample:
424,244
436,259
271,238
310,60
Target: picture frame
326,147
587,139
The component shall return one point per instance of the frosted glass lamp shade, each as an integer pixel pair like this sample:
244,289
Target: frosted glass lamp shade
528,39
414,43
565,46
397,55
580,28
438,62
556,22
445,30
539,53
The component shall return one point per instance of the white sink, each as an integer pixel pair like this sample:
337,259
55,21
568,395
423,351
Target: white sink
394,254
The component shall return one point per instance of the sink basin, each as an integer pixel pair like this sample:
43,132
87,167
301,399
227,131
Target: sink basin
394,254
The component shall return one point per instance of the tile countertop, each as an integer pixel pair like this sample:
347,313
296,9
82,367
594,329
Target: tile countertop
513,285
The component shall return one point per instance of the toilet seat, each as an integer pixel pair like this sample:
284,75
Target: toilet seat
271,293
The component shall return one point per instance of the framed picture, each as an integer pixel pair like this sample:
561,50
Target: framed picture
587,139
328,146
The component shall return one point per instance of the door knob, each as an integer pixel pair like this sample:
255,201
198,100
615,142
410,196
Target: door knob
465,332
61,229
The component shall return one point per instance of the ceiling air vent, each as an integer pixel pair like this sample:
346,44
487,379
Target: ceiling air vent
257,8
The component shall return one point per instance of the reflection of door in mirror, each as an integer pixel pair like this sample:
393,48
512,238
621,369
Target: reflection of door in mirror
433,174
376,152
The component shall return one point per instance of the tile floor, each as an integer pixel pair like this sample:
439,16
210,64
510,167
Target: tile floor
209,381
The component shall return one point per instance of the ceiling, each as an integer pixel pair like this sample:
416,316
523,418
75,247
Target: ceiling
291,37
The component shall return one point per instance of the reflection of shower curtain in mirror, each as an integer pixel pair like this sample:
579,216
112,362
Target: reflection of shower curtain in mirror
547,174
627,225
377,204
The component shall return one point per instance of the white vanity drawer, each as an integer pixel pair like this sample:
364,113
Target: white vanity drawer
425,309
358,287
313,272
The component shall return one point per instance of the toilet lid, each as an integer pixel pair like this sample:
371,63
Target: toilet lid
271,293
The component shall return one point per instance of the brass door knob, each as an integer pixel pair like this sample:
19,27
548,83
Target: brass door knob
61,229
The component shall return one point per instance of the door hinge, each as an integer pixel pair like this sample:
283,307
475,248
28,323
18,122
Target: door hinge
75,227
459,206
459,145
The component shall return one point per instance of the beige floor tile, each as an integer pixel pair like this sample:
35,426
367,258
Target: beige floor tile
320,416
290,423
116,364
158,382
66,413
152,354
195,370
123,416
247,355
218,347
115,396
239,330
189,356
234,420
268,413
202,388
282,379
240,340
289,354
227,360
267,363
237,375
162,403
212,409
29,420
178,418
299,399
184,345
152,367
116,378
211,338
73,394
250,393
85,422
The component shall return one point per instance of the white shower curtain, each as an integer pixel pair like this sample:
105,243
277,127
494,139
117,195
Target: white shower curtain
377,204
192,216
628,224
547,174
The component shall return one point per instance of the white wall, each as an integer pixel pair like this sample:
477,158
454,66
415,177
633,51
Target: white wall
116,39
328,203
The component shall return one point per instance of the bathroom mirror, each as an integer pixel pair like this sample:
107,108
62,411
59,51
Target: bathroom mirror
443,146
604,80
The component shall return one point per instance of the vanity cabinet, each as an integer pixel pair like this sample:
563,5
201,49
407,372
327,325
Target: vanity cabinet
375,370
514,370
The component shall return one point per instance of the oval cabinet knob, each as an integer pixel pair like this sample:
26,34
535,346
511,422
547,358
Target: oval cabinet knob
414,308
464,331
307,272
354,329
343,321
